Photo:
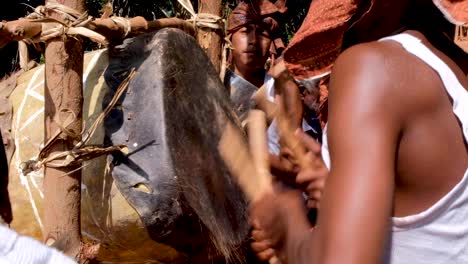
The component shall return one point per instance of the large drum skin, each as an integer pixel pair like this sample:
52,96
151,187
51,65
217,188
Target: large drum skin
106,215
171,196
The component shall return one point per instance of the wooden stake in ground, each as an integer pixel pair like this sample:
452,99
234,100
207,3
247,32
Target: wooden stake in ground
210,40
63,111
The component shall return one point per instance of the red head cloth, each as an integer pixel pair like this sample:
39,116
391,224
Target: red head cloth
317,43
259,12
456,11
314,48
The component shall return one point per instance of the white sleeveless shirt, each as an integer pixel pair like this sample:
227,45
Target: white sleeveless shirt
15,248
438,234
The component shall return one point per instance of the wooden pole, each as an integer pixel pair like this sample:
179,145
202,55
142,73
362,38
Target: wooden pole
210,40
112,32
63,108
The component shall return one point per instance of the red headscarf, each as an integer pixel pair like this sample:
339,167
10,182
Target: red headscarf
259,12
456,11
317,43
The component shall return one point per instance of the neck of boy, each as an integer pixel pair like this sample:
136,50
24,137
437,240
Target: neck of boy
255,77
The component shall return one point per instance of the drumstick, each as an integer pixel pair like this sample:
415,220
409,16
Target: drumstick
235,153
238,159
259,150
285,128
262,103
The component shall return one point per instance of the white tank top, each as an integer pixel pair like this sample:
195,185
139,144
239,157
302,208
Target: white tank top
15,248
439,234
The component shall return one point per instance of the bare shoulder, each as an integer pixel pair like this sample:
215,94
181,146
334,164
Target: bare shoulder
387,76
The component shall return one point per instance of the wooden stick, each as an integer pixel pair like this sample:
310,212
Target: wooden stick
211,40
18,30
63,94
113,31
235,153
28,28
253,177
285,127
262,103
259,150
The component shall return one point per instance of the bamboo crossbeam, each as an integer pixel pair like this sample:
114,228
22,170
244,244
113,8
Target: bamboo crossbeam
138,25
111,31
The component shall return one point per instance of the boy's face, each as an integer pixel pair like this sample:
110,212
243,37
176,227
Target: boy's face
251,47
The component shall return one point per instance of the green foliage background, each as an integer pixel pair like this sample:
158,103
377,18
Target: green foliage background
150,9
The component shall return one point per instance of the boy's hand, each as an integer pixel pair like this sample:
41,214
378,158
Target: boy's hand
283,167
270,219
312,179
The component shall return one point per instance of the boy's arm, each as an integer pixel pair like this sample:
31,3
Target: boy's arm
289,90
